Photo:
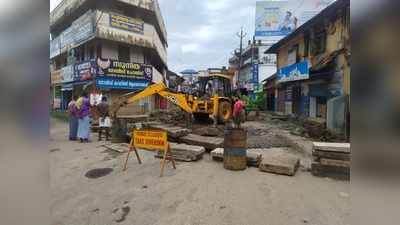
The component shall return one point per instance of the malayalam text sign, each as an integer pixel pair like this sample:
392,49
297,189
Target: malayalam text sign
117,69
127,23
150,139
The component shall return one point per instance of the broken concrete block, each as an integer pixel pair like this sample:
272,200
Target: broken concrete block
121,148
331,155
332,147
173,131
184,152
279,161
337,172
253,157
209,143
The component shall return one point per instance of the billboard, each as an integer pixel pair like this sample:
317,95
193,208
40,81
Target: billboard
104,82
276,19
127,23
113,68
298,71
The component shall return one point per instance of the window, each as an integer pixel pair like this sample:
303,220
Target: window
319,43
124,54
306,45
293,55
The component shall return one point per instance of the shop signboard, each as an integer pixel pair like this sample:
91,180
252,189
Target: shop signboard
298,71
117,69
84,70
68,74
276,19
56,77
83,27
254,73
105,82
80,30
127,23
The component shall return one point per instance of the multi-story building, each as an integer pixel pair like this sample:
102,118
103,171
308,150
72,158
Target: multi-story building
107,47
254,68
313,78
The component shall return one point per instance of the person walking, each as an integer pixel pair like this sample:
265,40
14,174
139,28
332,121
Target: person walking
104,120
83,105
73,119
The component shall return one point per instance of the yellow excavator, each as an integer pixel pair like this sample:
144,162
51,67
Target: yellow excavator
212,98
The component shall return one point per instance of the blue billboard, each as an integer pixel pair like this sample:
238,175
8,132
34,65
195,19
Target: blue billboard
276,19
254,73
298,71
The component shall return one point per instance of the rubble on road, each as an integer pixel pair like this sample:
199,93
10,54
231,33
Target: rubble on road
253,157
331,160
174,132
120,147
174,116
278,161
184,152
209,131
209,143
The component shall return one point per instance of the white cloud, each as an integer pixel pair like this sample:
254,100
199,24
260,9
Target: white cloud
217,4
189,48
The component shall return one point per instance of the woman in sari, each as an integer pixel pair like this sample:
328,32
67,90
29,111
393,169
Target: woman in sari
73,119
84,118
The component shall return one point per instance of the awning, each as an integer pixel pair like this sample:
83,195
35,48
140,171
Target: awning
66,87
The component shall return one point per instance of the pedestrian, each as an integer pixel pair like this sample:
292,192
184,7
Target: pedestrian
83,105
238,112
104,120
73,119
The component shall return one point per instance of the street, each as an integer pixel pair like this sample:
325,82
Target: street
196,193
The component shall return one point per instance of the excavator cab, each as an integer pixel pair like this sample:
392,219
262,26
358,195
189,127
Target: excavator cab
213,98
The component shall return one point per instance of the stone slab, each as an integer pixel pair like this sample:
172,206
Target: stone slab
184,152
333,162
253,157
173,131
279,161
331,155
121,148
337,172
209,143
332,147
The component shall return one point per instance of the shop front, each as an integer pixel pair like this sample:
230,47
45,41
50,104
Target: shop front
292,98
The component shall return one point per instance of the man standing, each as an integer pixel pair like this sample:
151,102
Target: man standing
104,120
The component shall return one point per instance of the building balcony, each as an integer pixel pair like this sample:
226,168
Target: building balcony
111,27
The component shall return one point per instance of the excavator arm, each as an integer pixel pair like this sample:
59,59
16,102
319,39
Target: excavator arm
159,88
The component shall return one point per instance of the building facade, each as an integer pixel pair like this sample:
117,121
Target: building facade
106,47
313,63
255,66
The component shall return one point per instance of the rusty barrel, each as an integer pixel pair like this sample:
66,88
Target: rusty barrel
235,149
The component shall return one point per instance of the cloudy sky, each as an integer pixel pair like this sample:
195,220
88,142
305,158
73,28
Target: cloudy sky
202,33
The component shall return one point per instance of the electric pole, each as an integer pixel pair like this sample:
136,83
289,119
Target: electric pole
241,35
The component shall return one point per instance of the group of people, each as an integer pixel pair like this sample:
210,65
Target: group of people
79,118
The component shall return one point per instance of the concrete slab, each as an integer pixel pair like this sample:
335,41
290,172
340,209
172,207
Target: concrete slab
184,152
173,131
279,161
332,147
253,157
209,143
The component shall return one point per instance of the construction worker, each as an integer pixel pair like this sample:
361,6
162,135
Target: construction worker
238,112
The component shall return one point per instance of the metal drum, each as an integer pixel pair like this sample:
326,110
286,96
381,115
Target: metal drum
235,149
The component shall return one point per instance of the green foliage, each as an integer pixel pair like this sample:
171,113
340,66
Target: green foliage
257,104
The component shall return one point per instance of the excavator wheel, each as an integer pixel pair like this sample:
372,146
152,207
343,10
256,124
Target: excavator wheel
224,111
201,117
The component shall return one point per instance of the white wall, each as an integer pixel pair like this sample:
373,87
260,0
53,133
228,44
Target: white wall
109,50
265,71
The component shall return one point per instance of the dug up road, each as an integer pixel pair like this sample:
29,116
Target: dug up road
88,187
